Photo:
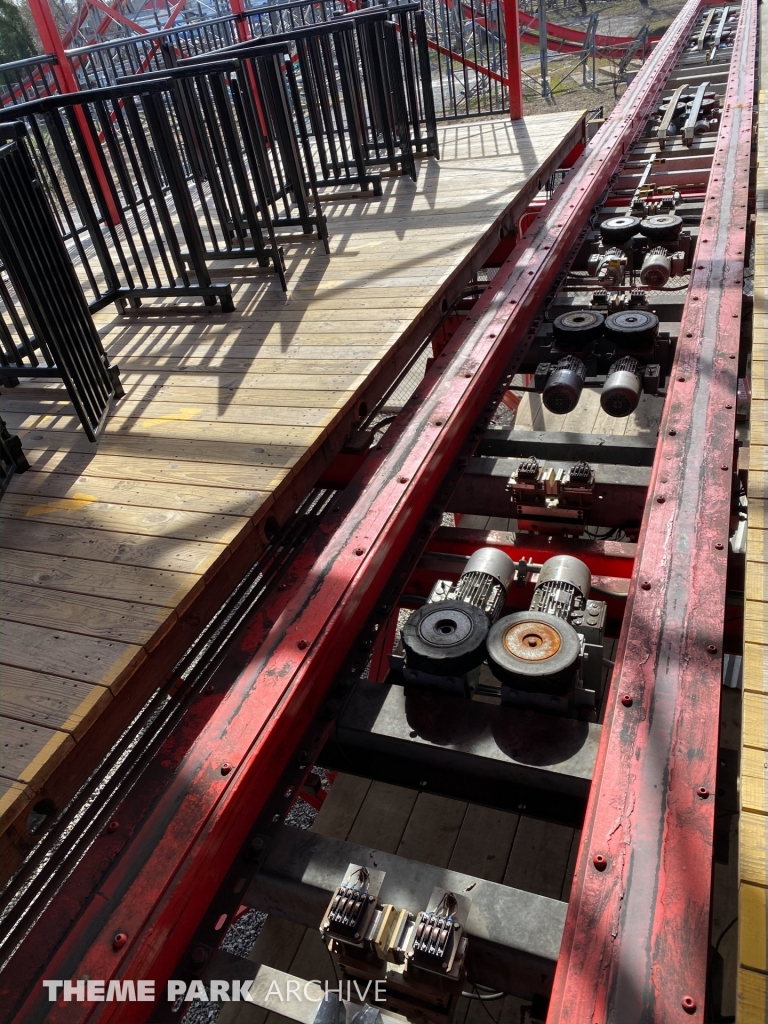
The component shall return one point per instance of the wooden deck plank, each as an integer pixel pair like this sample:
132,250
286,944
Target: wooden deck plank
27,751
539,857
752,997
57,703
144,625
110,547
752,983
123,491
173,474
228,416
89,659
145,586
484,842
90,513
14,799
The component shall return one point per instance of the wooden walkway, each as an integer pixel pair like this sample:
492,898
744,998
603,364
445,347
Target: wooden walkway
752,996
115,555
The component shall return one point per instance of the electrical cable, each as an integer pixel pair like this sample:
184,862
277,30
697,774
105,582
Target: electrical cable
485,995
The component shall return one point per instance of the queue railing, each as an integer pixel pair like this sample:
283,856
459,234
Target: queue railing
28,79
46,329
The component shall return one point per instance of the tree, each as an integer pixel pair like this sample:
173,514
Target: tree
16,39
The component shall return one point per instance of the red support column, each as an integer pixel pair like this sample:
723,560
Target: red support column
514,67
244,34
52,43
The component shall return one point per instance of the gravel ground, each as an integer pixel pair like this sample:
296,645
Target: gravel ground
243,933
617,18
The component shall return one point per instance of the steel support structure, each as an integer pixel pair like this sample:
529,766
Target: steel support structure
632,924
65,76
139,922
543,54
514,59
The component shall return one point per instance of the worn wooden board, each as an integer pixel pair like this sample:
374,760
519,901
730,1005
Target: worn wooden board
752,983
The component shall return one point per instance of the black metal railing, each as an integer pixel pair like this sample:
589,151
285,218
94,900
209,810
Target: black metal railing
361,92
109,163
12,458
103,64
275,19
243,156
46,330
154,177
464,41
28,79
468,56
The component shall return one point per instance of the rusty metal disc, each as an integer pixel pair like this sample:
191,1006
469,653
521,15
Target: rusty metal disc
534,651
532,641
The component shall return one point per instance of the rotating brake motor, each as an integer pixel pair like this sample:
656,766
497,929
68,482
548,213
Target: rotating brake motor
624,345
551,656
548,657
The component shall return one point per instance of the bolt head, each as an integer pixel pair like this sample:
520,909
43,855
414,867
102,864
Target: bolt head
645,585
359,551
688,1003
703,792
626,700
302,645
226,768
719,546
119,940
712,649
113,826
600,862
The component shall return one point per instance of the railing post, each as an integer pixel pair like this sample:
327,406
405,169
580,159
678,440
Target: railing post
244,34
514,72
65,76
543,55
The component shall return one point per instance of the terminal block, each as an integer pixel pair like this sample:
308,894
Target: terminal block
420,956
352,909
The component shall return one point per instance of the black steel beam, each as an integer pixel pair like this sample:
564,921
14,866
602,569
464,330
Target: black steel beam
618,498
478,747
612,449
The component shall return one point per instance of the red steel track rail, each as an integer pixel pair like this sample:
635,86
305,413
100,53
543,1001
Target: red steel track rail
159,890
631,926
